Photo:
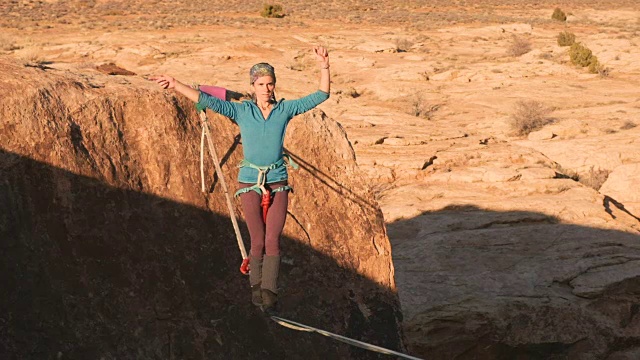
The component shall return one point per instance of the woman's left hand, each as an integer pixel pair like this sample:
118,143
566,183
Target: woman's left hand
322,56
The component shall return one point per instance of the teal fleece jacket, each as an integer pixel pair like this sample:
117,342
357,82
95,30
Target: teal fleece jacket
262,139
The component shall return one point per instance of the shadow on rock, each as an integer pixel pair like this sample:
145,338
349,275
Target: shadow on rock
90,270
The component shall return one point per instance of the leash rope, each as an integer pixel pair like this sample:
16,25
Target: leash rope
361,344
206,133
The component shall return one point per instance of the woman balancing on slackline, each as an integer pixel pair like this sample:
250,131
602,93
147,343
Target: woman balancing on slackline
262,122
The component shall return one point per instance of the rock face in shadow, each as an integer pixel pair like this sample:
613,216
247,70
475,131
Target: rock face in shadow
110,250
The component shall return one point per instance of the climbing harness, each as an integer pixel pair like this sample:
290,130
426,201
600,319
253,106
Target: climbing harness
363,345
206,134
260,185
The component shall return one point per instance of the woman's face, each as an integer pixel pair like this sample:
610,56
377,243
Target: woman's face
263,87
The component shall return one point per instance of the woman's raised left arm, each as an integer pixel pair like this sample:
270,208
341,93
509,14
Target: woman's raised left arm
304,104
322,55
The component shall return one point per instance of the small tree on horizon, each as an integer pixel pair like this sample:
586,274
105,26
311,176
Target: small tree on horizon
272,11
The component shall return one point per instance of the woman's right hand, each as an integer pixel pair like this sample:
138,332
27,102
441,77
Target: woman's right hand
166,81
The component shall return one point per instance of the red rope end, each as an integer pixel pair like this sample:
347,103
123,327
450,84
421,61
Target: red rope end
244,268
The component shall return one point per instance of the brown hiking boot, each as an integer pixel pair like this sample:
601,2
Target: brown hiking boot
269,301
255,279
270,269
256,295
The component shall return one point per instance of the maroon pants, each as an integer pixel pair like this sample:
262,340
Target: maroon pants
265,238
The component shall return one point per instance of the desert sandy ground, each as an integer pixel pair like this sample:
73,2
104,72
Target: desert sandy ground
426,91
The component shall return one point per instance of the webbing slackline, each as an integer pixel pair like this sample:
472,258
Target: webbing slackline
361,344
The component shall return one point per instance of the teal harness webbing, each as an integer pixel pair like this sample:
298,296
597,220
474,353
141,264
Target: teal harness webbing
259,186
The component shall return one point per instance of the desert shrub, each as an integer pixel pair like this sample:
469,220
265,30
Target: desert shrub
352,92
349,92
417,105
420,108
564,173
628,125
519,46
529,115
33,57
566,38
595,67
403,45
559,15
594,178
582,56
272,11
6,44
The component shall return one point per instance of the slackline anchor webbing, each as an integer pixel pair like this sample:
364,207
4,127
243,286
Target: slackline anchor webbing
206,134
363,345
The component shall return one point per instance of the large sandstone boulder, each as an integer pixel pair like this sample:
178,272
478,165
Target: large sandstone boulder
110,250
534,266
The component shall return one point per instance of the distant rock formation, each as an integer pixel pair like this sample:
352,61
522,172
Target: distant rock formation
110,250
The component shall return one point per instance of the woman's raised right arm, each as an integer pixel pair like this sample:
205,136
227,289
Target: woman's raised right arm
167,82
220,106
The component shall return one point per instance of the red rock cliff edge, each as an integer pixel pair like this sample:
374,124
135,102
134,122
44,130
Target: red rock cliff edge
110,250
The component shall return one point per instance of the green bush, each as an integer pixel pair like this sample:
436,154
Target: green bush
272,11
559,15
566,38
581,55
595,67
